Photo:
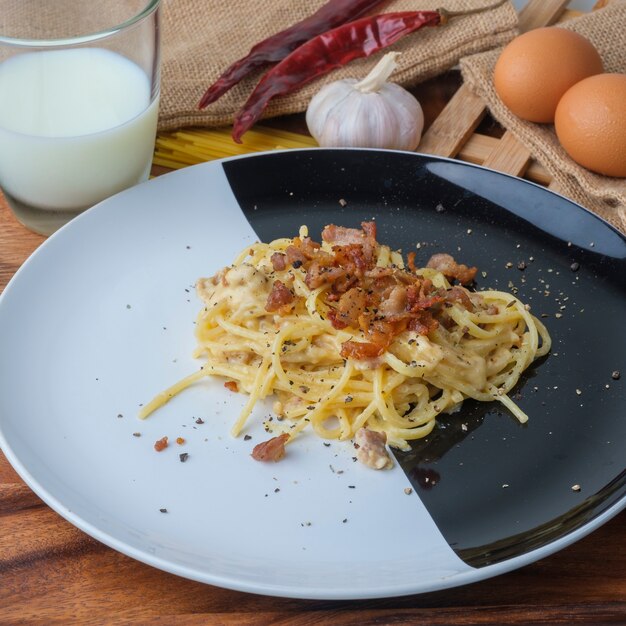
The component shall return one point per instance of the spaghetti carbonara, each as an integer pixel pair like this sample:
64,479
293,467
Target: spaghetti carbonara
348,335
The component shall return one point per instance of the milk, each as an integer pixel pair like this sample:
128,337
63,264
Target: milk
76,126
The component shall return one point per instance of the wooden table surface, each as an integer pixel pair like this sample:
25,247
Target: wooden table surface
51,572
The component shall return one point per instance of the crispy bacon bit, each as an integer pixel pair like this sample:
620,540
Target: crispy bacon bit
410,261
335,321
279,261
271,450
280,298
294,256
342,236
351,305
306,247
420,296
361,350
380,273
424,324
369,228
161,444
458,294
353,258
320,273
380,331
342,284
395,304
231,385
365,238
372,451
452,270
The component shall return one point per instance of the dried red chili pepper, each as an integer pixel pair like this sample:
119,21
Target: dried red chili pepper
278,46
327,52
334,49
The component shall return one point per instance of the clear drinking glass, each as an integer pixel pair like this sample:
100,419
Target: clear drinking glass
79,98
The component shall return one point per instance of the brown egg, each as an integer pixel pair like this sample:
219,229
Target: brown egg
538,67
590,123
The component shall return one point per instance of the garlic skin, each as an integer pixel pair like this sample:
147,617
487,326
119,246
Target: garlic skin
371,113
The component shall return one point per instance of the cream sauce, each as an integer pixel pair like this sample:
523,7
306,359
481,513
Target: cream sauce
241,288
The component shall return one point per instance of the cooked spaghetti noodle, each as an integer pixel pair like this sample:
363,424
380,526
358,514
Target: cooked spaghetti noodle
346,335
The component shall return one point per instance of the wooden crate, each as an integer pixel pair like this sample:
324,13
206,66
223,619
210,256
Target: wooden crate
453,133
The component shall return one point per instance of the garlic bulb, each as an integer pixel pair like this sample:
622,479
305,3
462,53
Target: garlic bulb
371,113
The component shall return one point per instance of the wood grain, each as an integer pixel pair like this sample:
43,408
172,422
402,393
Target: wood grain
454,125
479,147
509,156
17,243
51,571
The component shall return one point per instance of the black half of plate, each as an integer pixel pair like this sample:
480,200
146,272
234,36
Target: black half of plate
495,488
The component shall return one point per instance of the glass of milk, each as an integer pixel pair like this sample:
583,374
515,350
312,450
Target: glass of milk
79,99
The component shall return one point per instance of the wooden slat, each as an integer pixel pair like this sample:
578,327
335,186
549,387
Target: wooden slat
554,186
539,13
478,147
509,156
454,125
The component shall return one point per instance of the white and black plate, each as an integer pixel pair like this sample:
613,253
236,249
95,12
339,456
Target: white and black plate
101,318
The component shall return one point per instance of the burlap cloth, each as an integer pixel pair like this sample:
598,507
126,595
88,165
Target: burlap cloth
203,37
606,29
